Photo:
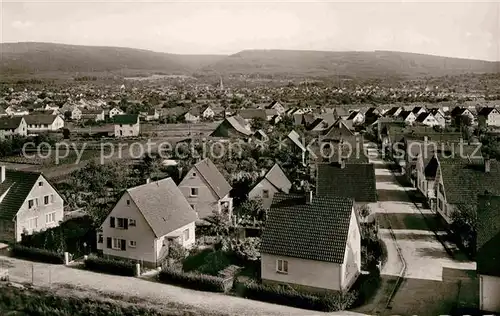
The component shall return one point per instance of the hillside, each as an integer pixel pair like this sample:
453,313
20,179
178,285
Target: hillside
28,58
355,64
47,58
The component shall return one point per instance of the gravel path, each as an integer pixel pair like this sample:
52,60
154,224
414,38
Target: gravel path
46,274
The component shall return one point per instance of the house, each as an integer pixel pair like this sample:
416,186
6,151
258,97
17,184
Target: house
208,113
311,242
277,106
251,114
75,114
115,111
206,190
322,123
353,181
15,125
37,123
28,203
348,148
418,110
95,115
233,126
126,125
260,136
146,221
275,180
393,112
340,129
356,117
193,115
459,112
458,183
296,142
150,115
17,111
489,117
340,113
427,119
373,112
439,116
407,116
488,252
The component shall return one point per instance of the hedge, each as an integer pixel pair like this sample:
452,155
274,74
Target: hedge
300,299
37,254
202,282
118,267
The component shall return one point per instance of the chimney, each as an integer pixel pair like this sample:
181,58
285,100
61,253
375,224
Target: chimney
2,174
487,164
309,196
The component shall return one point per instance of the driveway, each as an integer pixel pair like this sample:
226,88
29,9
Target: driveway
46,274
409,232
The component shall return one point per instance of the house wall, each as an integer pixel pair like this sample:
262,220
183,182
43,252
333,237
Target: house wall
208,113
308,273
492,120
206,202
142,233
21,130
39,212
188,117
127,130
114,112
257,192
442,207
351,267
489,289
162,243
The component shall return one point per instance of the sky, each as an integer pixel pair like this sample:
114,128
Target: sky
455,29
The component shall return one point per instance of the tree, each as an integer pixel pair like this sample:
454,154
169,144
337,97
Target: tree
252,208
258,123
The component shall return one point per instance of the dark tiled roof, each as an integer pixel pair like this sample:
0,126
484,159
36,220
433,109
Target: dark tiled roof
339,129
417,109
39,119
19,185
253,114
163,206
404,114
352,115
392,111
214,178
10,122
355,181
316,231
488,235
422,116
126,119
486,111
464,180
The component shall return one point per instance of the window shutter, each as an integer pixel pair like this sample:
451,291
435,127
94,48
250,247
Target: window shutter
108,242
112,222
124,244
125,223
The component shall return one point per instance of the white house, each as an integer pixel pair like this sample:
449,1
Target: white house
193,115
276,105
407,116
126,125
439,116
275,180
427,119
28,203
15,125
17,111
43,123
356,117
311,242
115,111
145,223
150,115
96,115
208,113
489,117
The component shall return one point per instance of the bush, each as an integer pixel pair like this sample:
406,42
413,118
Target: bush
110,266
200,282
37,254
299,299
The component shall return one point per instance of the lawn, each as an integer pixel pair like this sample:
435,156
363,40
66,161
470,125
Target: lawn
49,158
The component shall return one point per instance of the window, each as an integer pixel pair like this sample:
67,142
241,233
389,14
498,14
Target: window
128,202
52,198
186,234
281,266
265,194
46,200
131,222
33,223
117,243
194,174
40,184
194,191
31,204
122,223
50,218
100,239
132,243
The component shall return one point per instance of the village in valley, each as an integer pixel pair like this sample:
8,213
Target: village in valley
261,182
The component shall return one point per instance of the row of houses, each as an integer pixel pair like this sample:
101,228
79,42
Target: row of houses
30,124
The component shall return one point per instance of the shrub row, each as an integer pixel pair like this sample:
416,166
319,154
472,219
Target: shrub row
300,299
202,282
37,254
124,268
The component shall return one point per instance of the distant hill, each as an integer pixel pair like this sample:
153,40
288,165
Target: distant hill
354,64
19,58
39,58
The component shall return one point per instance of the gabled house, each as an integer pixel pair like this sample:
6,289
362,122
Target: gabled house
193,115
340,113
439,116
277,106
356,117
419,110
95,115
233,126
146,221
353,181
407,116
393,112
339,130
115,111
459,112
28,203
206,190
275,180
427,119
126,125
322,123
15,125
297,145
488,252
251,114
489,117
43,123
207,113
17,111
76,113
311,242
150,115
459,182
